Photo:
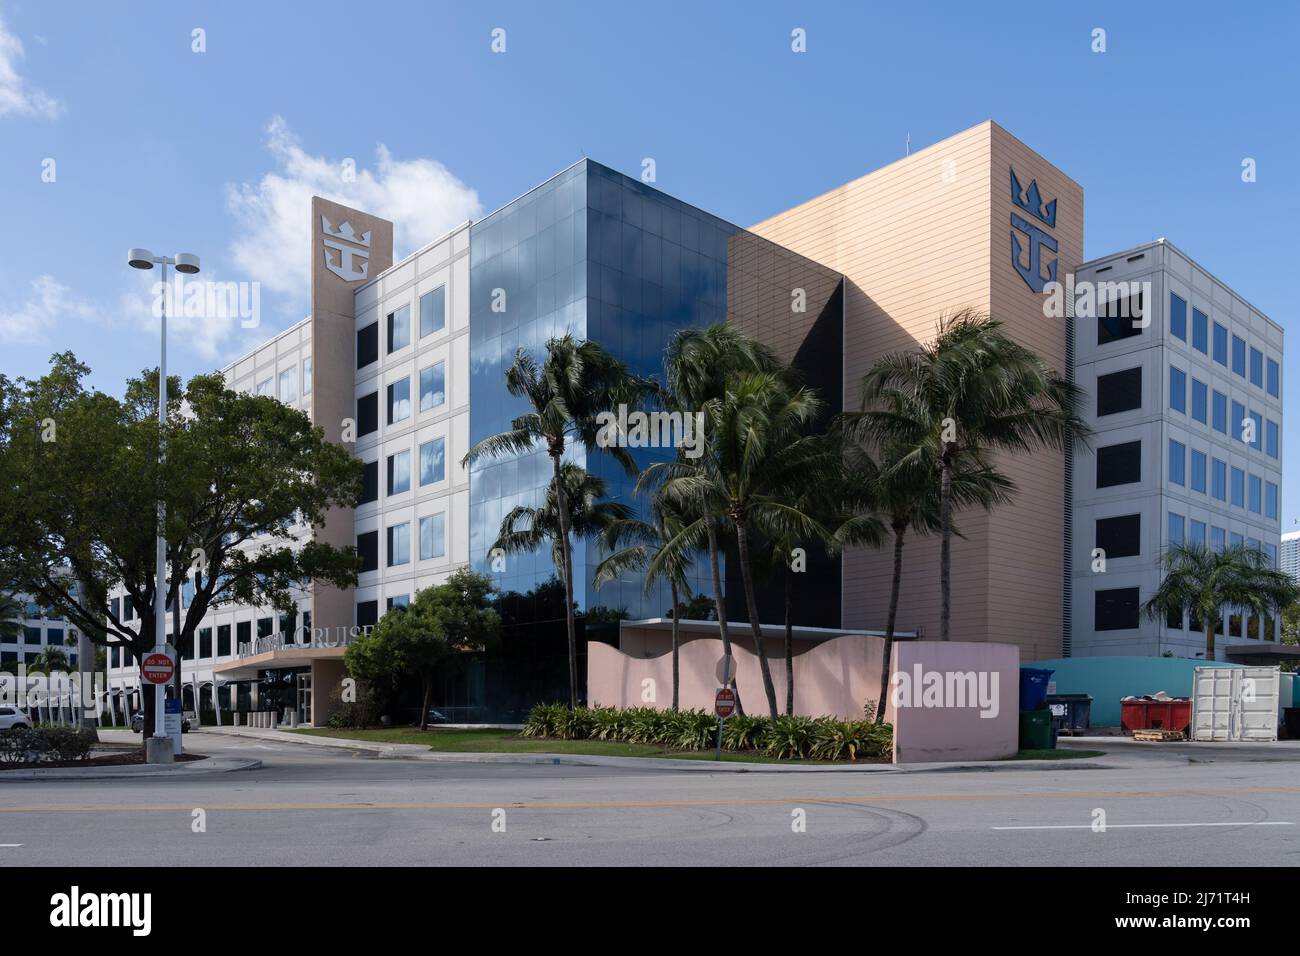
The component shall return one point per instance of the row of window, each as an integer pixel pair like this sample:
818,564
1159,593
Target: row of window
433,318
119,655
1194,532
1246,362
1210,407
433,394
1120,609
33,635
1233,485
433,469
287,386
432,543
30,657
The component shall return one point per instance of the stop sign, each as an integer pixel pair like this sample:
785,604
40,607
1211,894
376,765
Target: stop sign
724,702
158,668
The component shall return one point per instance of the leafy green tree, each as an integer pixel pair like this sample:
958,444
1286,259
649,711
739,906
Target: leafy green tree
565,394
80,482
48,660
696,607
12,613
1205,581
972,391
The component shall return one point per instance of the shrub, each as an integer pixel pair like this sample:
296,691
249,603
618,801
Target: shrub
66,743
744,732
573,724
542,719
693,730
23,745
789,737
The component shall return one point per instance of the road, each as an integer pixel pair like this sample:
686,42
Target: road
311,805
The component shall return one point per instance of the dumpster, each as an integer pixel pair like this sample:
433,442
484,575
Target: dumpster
1036,730
1072,712
1033,687
1149,713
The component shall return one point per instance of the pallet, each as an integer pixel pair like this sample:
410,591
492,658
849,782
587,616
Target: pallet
1158,735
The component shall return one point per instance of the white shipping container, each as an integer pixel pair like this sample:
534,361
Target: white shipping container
1235,703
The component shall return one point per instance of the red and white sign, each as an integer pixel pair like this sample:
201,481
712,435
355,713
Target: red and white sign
158,668
724,703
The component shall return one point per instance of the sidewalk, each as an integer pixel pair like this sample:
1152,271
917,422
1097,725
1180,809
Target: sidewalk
421,752
196,768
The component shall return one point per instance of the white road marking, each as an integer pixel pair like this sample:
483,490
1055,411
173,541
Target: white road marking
1138,826
9,844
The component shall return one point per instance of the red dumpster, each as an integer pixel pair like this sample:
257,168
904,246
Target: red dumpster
1142,713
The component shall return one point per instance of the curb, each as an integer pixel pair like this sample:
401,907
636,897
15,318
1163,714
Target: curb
200,768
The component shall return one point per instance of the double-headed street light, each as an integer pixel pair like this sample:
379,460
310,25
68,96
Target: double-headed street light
188,264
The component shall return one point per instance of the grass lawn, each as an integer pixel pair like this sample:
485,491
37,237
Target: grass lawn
487,740
1056,754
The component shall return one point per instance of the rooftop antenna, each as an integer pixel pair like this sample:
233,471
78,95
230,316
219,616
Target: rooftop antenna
907,150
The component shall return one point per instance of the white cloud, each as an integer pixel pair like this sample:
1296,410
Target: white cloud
16,97
49,303
420,196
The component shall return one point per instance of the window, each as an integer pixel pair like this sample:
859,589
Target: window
289,385
1239,355
1198,471
1219,422
223,640
1200,401
1256,367
433,386
368,345
399,544
1256,494
433,467
433,532
367,414
399,401
1273,379
399,473
369,482
1235,540
399,329
1218,538
1119,391
1258,419
1238,487
1200,332
1270,551
265,626
1119,464
1174,620
128,609
1120,319
243,632
1270,438
368,548
114,607
1219,479
1115,609
306,376
266,387
1239,421
205,642
1196,532
1176,525
1221,344
1177,317
1270,500
1120,537
1177,462
399,600
367,613
1177,389
433,311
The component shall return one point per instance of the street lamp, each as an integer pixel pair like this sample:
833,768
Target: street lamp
188,264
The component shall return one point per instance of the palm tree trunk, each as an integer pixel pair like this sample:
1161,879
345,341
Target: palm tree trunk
718,604
751,605
789,643
945,548
561,506
900,529
677,675
1209,637
426,681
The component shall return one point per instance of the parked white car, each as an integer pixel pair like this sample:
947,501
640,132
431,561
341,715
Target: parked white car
13,717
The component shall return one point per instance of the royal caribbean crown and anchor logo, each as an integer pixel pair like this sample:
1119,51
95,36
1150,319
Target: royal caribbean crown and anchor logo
352,251
1031,202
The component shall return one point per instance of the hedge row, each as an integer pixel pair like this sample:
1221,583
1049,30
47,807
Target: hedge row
793,737
29,745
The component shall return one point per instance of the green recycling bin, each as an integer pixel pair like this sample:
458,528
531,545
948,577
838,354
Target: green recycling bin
1036,730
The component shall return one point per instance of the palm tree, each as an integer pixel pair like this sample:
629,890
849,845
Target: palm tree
565,394
647,540
971,391
1206,581
572,506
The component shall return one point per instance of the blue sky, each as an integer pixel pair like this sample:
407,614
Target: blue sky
214,152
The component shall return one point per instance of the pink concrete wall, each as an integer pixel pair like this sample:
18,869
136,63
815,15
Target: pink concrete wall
946,732
833,677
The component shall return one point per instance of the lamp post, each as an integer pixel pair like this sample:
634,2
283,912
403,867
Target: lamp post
187,264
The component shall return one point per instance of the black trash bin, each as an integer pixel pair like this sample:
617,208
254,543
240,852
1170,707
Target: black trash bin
1291,721
1072,712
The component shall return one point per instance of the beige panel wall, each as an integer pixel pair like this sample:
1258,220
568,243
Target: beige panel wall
334,358
919,238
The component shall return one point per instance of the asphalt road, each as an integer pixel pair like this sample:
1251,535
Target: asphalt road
317,806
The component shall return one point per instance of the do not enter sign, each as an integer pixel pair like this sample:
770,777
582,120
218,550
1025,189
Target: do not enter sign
158,668
724,702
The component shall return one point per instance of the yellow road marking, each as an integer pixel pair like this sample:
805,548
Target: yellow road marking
660,804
